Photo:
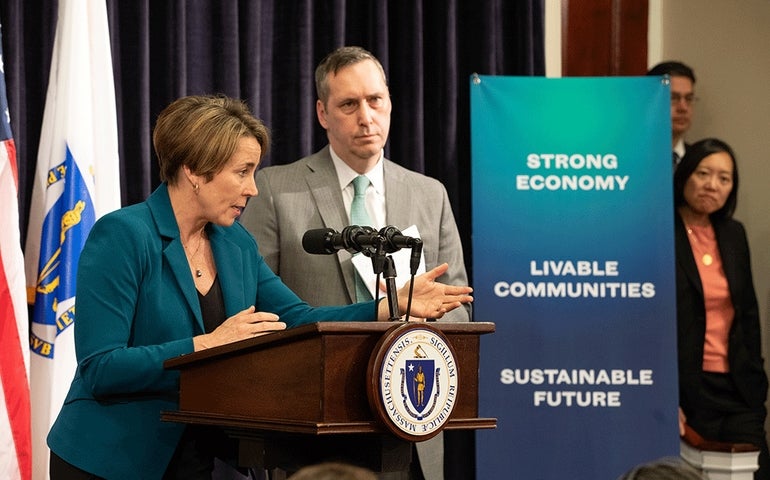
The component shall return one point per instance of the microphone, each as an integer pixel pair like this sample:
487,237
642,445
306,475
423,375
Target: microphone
395,241
414,259
354,239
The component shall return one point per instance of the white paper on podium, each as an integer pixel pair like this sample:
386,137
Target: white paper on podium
401,258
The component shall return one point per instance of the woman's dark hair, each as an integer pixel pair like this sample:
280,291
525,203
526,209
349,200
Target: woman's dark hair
694,155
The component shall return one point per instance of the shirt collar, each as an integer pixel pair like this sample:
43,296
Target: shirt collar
679,148
345,174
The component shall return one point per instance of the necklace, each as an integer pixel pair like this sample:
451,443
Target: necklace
706,257
191,258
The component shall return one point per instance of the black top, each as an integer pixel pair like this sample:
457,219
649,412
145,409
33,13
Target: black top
212,306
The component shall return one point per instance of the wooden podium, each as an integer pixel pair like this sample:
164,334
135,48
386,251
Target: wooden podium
301,396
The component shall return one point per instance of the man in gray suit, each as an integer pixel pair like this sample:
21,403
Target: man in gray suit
314,192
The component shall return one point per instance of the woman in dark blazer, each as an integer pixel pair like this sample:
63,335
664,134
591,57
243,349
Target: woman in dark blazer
722,382
173,275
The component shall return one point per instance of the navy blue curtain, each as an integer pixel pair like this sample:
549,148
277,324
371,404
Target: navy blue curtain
265,52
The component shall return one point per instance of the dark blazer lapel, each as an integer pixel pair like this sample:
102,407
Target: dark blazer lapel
727,241
228,258
684,255
173,250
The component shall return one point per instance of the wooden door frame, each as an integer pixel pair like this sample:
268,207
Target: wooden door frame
604,37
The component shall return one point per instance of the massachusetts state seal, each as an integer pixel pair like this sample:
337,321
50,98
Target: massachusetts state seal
413,375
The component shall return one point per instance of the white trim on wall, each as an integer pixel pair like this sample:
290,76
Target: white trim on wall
654,32
552,38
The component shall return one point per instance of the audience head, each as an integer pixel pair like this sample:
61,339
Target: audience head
683,97
333,471
673,69
708,166
669,468
202,133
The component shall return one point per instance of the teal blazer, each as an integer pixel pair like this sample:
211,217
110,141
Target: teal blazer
137,306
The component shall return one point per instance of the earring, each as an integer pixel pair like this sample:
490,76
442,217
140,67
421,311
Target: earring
196,188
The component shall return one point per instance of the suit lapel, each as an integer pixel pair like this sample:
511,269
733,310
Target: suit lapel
173,250
228,258
684,255
323,183
396,197
725,240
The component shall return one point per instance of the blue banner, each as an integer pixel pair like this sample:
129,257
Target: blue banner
574,262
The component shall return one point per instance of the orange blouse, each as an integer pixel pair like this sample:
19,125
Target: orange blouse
719,305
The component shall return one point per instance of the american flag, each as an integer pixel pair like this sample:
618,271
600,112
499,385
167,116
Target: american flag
15,430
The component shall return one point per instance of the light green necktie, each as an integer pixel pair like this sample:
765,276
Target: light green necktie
358,216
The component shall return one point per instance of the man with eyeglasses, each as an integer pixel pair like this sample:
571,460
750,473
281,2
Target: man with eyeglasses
682,100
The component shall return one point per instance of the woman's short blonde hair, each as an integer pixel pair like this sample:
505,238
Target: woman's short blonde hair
202,132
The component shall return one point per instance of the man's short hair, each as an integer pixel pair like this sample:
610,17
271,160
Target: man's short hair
336,61
673,69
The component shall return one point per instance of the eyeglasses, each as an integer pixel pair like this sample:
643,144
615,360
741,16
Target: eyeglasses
689,99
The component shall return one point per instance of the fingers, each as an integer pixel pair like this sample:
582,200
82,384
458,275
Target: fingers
260,323
437,271
457,290
249,323
450,304
448,307
246,311
431,309
264,317
268,327
457,298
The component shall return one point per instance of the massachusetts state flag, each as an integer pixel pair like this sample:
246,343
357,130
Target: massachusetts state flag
76,181
15,444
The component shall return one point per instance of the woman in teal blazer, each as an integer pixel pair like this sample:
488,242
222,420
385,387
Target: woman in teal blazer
173,275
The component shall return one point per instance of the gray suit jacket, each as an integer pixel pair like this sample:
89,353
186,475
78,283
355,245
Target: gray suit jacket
305,195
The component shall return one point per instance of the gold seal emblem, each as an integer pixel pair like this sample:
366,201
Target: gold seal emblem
413,375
